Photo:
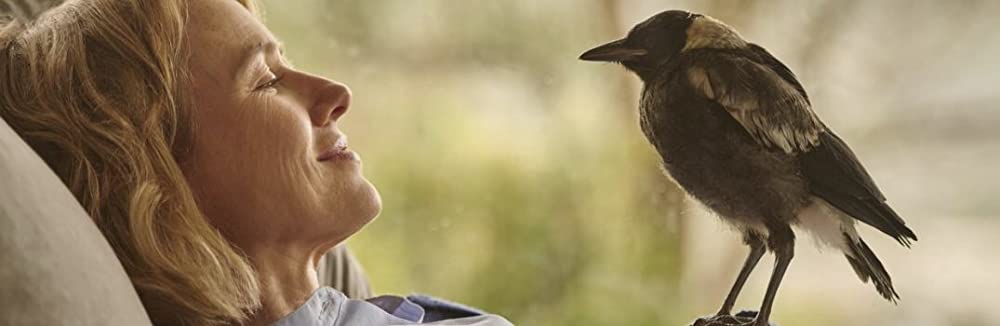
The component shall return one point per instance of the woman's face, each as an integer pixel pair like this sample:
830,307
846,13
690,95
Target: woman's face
268,161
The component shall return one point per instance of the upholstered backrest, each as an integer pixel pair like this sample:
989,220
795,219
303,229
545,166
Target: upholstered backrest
55,267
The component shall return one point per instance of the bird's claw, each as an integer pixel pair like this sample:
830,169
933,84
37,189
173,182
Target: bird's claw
743,318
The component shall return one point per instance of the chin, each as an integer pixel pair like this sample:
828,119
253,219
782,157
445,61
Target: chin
343,209
370,203
361,208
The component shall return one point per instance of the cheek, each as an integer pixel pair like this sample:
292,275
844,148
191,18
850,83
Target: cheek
275,133
258,136
251,159
273,144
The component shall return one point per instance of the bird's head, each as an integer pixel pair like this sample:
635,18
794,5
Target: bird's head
653,42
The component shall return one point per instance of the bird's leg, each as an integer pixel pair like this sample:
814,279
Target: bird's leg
782,241
756,244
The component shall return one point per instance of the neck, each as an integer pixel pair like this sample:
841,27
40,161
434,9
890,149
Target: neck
707,32
287,278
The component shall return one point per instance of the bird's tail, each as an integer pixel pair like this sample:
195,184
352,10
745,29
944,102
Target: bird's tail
867,266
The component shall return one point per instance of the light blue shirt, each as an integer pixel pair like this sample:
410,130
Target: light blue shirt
329,307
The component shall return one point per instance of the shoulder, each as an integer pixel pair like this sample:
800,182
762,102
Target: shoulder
758,91
751,58
329,307
694,66
482,320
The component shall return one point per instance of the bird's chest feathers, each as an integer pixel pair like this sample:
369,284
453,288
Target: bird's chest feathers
683,126
695,138
707,153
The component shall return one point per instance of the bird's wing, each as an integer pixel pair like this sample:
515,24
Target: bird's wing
836,175
773,110
764,96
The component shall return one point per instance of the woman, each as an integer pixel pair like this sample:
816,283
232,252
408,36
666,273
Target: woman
215,170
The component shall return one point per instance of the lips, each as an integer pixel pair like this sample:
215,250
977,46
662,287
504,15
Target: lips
338,151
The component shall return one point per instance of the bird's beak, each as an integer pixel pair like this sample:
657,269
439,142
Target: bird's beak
615,51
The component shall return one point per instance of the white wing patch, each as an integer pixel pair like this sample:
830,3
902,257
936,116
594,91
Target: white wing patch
827,225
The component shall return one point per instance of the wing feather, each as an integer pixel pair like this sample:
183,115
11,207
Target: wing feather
772,110
835,175
763,95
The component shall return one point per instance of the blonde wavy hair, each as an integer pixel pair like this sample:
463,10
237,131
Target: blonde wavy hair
98,88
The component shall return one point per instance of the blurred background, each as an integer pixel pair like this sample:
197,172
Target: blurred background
515,178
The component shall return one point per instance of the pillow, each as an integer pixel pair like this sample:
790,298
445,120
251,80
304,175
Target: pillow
55,266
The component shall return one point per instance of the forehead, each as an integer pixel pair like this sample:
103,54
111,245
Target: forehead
220,19
219,32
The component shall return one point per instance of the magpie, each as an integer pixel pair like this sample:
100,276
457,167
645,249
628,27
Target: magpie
736,130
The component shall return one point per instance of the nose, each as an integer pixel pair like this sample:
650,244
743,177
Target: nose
331,102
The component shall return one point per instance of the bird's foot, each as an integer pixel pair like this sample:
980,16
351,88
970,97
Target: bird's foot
743,318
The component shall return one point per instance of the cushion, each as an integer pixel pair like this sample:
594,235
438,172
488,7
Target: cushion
55,266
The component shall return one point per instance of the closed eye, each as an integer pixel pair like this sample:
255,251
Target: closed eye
273,82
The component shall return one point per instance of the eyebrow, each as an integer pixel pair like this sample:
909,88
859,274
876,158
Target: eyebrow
250,52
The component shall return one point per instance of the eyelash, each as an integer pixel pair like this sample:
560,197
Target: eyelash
271,83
